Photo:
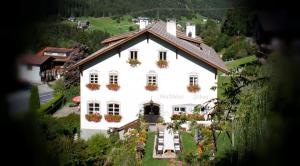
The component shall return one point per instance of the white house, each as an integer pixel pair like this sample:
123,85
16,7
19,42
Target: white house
169,73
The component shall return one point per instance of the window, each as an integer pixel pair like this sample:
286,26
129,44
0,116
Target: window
179,110
113,78
94,78
133,55
163,55
193,80
113,109
93,108
151,80
29,67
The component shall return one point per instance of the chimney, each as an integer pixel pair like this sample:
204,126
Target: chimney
143,22
190,30
171,27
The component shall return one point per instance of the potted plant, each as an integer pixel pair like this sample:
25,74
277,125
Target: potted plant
94,117
151,87
193,88
133,62
113,118
113,87
162,63
93,86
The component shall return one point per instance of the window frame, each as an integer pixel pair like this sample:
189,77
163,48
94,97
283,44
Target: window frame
93,78
92,104
133,56
113,111
153,80
193,79
113,78
162,55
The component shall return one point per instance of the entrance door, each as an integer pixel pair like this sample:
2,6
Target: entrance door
151,112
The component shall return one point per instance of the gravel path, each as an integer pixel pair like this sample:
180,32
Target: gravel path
65,111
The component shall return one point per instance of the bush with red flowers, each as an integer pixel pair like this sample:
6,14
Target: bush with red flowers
162,63
193,88
151,87
113,87
95,117
93,86
113,118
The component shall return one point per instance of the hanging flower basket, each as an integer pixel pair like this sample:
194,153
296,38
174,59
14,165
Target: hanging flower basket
113,87
162,63
193,88
113,118
95,117
93,86
133,62
151,87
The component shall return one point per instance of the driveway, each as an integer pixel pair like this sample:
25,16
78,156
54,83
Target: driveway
65,111
45,93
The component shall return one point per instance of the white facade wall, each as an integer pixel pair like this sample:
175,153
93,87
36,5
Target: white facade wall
32,75
172,82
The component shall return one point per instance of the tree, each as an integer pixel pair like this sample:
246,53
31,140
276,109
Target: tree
72,77
34,101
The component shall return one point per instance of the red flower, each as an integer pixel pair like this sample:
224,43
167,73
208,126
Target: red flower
113,87
162,63
193,88
96,117
113,118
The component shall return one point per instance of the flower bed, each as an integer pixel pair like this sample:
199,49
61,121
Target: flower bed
95,117
113,118
151,87
162,63
93,86
188,117
193,88
113,87
133,62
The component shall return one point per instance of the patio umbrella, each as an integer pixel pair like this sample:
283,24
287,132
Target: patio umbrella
76,99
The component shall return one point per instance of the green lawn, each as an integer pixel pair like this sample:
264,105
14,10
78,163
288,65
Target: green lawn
107,24
241,61
148,160
189,144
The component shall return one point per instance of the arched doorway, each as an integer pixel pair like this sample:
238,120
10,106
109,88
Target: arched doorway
151,112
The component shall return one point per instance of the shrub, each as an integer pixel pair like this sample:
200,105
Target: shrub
34,101
48,105
97,149
71,92
71,123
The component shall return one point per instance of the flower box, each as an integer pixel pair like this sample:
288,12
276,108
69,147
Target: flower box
113,118
133,62
162,63
151,87
95,117
93,86
188,117
193,88
113,87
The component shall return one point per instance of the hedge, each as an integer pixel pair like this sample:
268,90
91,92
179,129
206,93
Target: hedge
34,101
45,107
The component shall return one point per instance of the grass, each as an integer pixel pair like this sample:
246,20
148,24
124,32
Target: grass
241,61
189,145
148,160
107,24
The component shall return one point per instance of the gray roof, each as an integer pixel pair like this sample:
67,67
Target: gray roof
158,29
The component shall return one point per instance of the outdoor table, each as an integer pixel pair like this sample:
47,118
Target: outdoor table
168,140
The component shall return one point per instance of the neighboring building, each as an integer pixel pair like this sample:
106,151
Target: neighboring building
30,67
59,56
157,71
